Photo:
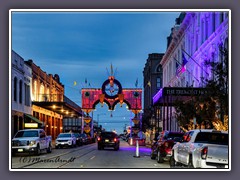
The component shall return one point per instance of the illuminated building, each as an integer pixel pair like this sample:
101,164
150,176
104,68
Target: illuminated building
196,37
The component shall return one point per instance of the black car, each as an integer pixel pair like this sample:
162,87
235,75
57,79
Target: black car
84,138
79,141
108,139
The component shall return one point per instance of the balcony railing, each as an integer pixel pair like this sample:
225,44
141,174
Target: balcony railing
50,98
57,98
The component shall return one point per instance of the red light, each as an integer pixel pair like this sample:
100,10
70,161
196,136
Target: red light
98,138
204,152
115,139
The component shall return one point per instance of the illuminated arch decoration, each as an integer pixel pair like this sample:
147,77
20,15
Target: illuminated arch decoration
111,94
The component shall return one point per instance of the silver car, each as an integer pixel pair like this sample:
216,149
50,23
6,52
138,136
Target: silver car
65,139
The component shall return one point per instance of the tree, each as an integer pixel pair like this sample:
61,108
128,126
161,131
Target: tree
210,110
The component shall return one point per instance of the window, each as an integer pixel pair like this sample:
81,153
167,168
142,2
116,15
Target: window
27,94
202,32
15,89
213,22
158,83
206,30
20,92
221,17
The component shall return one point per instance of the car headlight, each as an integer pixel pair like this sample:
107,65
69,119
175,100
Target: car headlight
32,143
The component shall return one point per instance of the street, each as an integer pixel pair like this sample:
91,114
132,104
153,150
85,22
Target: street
88,157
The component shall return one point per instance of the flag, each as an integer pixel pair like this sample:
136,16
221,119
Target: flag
149,83
111,70
85,80
89,84
178,68
136,83
184,62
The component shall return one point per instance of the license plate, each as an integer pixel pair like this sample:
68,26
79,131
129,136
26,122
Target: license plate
20,150
106,140
62,143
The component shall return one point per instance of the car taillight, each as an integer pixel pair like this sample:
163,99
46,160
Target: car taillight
115,140
98,138
204,152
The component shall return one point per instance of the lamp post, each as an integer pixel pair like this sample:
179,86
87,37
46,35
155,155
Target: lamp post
98,117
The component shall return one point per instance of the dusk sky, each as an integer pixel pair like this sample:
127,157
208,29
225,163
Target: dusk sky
81,45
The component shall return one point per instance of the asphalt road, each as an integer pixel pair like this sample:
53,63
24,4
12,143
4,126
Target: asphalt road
88,157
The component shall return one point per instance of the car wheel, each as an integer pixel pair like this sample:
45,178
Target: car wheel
56,147
152,155
190,164
116,148
49,149
38,151
72,145
172,161
159,157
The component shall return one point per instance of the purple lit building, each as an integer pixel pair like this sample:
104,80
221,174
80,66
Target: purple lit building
195,38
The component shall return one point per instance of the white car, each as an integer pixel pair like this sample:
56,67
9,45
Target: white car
66,139
202,148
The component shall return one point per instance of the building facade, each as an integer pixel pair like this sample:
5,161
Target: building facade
21,83
46,88
196,39
152,77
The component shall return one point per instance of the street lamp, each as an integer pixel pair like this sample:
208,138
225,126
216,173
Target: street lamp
98,117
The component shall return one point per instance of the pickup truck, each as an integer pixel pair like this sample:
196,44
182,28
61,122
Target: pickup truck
201,148
31,141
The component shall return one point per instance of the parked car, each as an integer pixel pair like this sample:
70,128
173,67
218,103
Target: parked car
31,141
84,138
108,139
162,148
202,148
78,139
65,139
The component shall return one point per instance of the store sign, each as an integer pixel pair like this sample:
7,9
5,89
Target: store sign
30,125
184,91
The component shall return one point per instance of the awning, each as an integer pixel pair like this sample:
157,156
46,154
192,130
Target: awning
34,119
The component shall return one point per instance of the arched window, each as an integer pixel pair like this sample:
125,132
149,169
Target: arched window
213,22
221,17
35,91
20,92
15,89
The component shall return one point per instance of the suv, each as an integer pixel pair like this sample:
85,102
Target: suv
65,139
162,148
108,139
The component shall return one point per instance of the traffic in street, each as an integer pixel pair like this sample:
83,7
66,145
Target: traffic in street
89,157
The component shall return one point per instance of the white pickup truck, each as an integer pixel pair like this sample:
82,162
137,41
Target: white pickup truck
31,141
201,148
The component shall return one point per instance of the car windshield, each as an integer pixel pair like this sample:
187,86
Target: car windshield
64,135
26,134
212,138
82,135
174,136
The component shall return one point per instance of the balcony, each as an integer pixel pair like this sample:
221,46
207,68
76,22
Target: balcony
58,103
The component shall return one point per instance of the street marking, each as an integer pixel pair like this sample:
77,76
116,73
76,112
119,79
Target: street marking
92,157
81,166
155,164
